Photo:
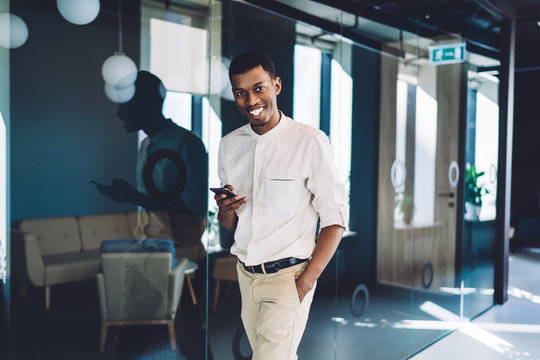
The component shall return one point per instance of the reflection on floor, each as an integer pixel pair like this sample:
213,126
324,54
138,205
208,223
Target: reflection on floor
395,324
510,331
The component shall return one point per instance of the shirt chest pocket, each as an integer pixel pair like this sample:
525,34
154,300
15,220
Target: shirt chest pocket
278,187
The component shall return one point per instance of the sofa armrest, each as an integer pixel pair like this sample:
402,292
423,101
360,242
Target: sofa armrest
176,284
102,297
27,259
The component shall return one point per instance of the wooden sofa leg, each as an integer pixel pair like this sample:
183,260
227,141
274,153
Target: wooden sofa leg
104,327
216,294
170,323
189,277
47,297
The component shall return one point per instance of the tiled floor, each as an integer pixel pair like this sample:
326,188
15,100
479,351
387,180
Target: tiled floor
509,331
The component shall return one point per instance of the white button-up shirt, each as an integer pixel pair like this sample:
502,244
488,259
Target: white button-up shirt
291,180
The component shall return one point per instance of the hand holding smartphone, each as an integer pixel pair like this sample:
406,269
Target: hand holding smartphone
223,190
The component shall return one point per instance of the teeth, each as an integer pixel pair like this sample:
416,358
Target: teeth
256,112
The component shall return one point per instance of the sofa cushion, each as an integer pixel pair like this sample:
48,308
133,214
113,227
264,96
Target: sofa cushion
68,267
96,228
54,235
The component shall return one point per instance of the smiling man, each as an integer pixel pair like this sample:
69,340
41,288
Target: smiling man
284,175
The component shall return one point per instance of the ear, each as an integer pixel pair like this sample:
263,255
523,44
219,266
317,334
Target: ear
277,85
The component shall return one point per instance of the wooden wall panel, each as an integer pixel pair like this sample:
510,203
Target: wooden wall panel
386,250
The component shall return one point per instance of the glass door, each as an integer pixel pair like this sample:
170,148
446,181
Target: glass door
480,184
418,180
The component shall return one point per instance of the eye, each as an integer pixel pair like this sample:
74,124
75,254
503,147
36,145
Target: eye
240,93
259,88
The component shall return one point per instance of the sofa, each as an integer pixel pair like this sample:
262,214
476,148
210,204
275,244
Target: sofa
51,251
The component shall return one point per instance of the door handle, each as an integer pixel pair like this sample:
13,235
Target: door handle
448,194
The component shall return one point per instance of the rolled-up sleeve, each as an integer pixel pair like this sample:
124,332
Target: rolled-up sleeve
329,191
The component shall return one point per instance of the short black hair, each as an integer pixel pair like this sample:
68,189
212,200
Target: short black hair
149,86
250,60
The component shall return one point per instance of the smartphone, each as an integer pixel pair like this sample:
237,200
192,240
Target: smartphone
223,190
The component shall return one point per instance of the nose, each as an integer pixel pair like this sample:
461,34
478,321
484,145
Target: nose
252,99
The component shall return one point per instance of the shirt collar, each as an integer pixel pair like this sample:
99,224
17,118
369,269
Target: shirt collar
276,129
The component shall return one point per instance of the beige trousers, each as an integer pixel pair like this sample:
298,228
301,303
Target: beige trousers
272,314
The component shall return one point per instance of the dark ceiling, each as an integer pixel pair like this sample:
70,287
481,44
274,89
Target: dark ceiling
431,18
475,19
528,35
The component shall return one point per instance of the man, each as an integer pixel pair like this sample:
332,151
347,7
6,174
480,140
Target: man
285,174
172,172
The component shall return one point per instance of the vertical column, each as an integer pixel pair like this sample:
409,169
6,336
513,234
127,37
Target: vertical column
5,282
326,83
360,252
504,179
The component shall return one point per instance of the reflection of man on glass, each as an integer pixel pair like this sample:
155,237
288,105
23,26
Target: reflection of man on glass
285,174
172,172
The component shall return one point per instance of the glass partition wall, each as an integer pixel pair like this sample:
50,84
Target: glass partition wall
407,96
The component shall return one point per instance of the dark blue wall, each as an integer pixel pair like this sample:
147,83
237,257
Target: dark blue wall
63,127
526,147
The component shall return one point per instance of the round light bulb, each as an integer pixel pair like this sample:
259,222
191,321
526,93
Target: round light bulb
119,71
13,31
226,92
219,75
119,95
78,12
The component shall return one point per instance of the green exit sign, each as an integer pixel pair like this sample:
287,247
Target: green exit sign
447,54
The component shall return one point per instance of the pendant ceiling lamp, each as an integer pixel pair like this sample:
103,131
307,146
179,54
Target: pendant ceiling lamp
13,31
78,12
119,71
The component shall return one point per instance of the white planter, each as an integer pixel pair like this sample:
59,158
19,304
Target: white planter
472,212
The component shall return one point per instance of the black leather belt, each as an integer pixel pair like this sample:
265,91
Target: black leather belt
272,266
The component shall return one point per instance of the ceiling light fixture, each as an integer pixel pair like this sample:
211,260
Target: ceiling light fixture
13,31
119,71
78,12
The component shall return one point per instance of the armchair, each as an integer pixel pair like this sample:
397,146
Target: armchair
139,283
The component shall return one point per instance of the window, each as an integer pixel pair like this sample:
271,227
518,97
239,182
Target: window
425,152
420,175
341,120
177,106
309,95
486,153
307,85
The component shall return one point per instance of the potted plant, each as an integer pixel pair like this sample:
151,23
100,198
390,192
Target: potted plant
473,192
405,206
